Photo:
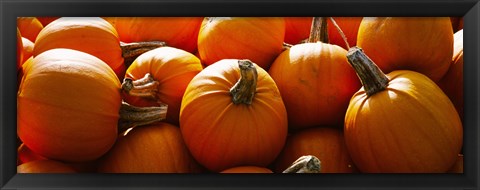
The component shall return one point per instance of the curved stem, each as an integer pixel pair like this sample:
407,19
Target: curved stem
372,78
131,116
340,31
305,164
130,51
318,31
244,90
146,87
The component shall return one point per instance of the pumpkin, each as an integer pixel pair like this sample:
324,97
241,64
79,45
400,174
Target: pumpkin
424,45
27,49
19,49
29,27
178,32
247,169
45,20
169,70
297,29
232,115
452,82
44,166
257,39
69,106
401,122
24,155
349,26
458,166
327,144
91,35
315,81
156,148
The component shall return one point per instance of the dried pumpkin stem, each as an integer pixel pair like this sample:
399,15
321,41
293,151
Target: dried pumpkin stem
372,78
130,51
344,38
305,164
318,31
146,87
244,90
131,116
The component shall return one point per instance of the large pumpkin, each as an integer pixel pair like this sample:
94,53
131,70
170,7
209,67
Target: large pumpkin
421,44
178,32
257,39
401,122
316,83
155,148
327,144
170,70
232,115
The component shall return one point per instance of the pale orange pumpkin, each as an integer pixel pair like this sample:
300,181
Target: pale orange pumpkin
401,122
232,115
255,38
421,44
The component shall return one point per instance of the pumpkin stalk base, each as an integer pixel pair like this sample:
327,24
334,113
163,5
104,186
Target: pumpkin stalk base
130,51
372,78
131,116
318,31
145,87
244,90
305,164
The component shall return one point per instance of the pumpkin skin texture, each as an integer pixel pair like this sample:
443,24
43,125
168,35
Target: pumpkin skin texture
327,144
247,169
178,32
68,106
19,49
29,27
424,45
92,35
257,39
452,82
221,134
316,83
44,166
156,148
173,69
409,127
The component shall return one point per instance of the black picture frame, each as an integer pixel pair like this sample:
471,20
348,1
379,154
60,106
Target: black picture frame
10,9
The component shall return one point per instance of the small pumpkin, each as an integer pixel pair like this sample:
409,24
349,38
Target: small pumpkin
315,80
45,20
232,115
29,27
69,106
169,71
27,49
420,44
401,122
257,39
44,166
156,148
247,169
326,143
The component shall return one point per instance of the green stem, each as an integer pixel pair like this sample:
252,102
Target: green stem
305,164
372,78
244,90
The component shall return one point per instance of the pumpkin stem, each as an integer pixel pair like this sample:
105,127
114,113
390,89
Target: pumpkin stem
344,38
244,90
305,164
318,31
132,116
372,78
130,51
145,87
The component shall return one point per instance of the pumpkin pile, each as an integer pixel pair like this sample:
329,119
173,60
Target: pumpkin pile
240,95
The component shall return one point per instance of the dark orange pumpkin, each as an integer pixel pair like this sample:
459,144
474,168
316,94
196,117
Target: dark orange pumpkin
349,26
19,49
420,44
327,144
401,122
233,116
178,32
247,169
29,27
44,166
156,148
45,20
452,82
297,29
458,166
24,155
257,39
170,71
316,83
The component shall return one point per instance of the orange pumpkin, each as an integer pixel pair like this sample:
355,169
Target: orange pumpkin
421,44
24,155
458,166
44,166
452,82
349,26
232,115
156,148
29,27
257,39
316,83
27,49
247,169
327,144
401,122
19,49
45,20
178,32
297,29
170,71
